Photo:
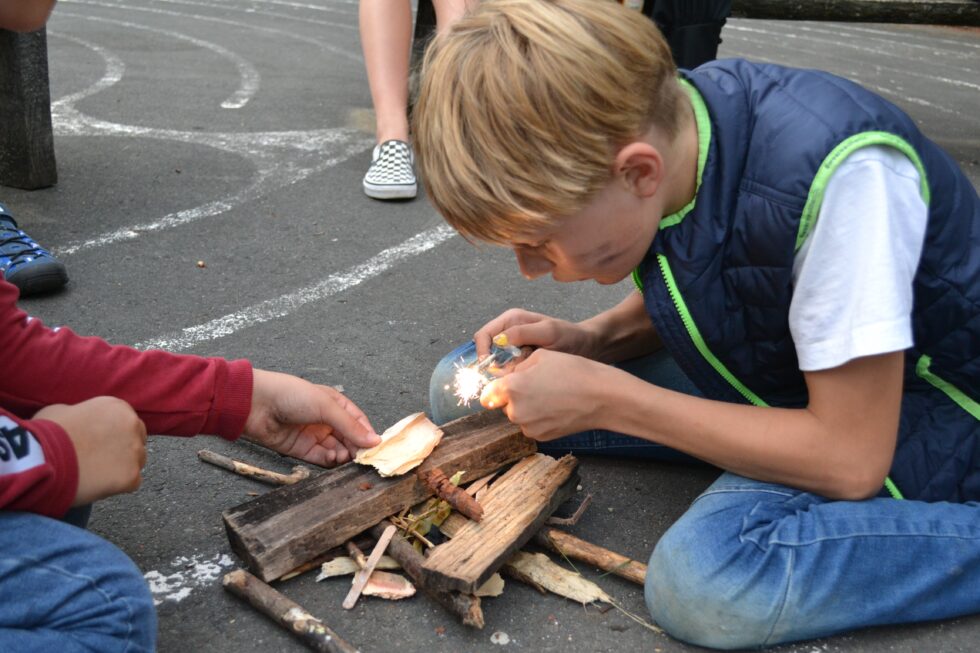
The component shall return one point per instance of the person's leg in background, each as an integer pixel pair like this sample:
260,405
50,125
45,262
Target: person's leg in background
26,264
755,564
692,27
658,368
386,39
64,589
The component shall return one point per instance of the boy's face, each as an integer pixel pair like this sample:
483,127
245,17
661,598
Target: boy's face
603,242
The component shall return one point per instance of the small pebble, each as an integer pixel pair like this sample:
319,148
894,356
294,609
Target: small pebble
500,637
202,264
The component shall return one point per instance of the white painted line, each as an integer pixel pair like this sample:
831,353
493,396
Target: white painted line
283,305
280,158
251,10
267,183
189,574
248,75
352,54
838,44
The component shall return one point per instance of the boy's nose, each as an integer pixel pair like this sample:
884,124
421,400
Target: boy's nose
532,265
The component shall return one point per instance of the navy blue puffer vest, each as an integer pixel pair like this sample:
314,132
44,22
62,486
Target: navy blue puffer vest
717,281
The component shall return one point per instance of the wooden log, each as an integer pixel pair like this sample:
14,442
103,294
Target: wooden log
514,508
465,606
314,633
26,139
929,12
291,525
593,554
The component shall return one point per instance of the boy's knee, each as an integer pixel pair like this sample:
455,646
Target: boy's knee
707,589
73,586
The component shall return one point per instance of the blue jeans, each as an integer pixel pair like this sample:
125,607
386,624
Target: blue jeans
754,564
64,589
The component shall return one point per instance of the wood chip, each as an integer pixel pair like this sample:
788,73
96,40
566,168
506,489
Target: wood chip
543,572
403,447
389,586
493,587
345,566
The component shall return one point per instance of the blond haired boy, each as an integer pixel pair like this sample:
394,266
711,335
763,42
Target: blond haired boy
806,264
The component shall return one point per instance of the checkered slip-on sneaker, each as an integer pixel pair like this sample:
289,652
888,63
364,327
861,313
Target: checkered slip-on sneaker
391,175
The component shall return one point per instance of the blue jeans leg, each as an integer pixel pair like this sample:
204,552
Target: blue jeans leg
64,589
755,564
658,368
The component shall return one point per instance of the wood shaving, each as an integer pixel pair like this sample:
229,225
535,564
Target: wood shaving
403,447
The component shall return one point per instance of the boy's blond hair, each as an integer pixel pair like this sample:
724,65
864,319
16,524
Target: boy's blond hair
523,105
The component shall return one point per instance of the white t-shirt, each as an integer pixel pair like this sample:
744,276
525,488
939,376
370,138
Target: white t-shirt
853,274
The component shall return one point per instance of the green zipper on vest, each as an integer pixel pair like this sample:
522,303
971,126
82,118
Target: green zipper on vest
692,330
702,347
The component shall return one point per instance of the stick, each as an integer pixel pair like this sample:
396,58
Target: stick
456,496
291,615
573,547
259,474
361,579
326,557
571,521
465,606
356,554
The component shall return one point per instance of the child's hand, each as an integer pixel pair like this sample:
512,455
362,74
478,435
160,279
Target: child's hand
549,395
312,422
110,445
524,328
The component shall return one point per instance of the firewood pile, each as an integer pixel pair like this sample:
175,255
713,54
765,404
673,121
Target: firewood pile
444,512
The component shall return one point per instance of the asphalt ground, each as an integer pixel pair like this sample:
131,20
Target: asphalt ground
236,133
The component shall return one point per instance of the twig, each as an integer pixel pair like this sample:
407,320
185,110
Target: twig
571,521
362,576
292,616
570,546
259,474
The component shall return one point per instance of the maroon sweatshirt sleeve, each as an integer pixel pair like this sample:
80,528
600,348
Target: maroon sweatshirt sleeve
38,467
173,394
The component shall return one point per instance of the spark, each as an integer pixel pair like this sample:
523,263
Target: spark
468,384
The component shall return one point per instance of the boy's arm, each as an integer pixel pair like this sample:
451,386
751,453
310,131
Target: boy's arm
173,394
38,467
623,332
841,445
620,333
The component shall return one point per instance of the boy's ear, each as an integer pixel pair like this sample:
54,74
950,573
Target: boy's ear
640,167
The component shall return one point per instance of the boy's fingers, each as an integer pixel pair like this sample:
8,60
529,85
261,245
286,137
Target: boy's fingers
495,394
348,426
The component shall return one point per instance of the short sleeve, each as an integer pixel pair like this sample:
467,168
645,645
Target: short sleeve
853,274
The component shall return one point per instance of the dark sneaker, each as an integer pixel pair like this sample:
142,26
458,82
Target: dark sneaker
26,264
392,173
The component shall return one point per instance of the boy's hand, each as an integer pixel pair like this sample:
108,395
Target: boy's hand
110,445
312,422
550,394
524,328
